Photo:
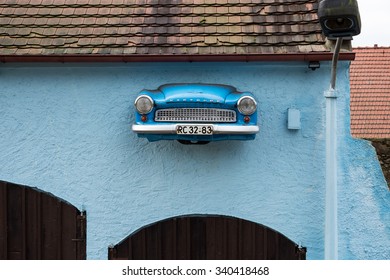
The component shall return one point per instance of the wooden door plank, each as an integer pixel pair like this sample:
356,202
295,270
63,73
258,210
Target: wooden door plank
121,251
81,234
138,245
197,238
168,240
31,225
23,222
221,238
3,221
247,240
50,221
260,243
233,237
183,245
286,248
211,237
39,226
153,242
15,222
272,246
68,229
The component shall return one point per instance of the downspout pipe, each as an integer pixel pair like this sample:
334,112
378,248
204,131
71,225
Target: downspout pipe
331,227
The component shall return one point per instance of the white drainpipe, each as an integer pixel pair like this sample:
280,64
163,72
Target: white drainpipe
331,230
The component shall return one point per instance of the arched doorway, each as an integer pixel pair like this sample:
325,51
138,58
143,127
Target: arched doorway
201,237
35,225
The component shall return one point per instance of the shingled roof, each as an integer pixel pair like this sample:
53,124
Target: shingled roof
370,93
39,28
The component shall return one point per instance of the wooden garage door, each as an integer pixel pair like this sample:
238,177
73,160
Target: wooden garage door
37,225
206,237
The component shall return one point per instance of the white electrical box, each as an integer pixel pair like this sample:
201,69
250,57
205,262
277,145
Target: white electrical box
294,119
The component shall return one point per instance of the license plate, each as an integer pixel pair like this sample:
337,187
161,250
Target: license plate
194,129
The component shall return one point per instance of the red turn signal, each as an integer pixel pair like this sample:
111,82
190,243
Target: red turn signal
247,119
144,118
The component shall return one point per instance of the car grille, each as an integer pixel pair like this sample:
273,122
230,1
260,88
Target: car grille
195,115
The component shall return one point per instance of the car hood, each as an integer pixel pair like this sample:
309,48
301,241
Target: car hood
196,92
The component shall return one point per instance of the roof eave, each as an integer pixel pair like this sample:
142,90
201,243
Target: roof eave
315,56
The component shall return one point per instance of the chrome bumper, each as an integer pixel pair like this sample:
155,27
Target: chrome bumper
217,129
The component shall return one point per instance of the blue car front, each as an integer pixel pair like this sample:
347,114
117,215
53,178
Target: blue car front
195,113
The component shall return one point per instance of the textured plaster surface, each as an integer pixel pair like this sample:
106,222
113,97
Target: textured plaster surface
364,198
66,129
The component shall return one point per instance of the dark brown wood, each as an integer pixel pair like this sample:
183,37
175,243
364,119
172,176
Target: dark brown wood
81,235
36,225
210,239
3,221
14,223
49,225
206,237
69,237
272,246
125,250
153,242
33,251
168,236
182,239
138,245
234,237
220,238
300,253
197,238
246,240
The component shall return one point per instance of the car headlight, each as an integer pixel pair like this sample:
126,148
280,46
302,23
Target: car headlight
144,104
247,105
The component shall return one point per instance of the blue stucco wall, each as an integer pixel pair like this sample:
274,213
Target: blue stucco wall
66,129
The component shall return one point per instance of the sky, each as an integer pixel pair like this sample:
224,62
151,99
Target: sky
375,17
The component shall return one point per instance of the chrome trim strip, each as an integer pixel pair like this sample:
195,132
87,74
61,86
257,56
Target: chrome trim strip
218,129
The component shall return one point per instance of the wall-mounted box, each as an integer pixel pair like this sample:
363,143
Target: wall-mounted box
293,119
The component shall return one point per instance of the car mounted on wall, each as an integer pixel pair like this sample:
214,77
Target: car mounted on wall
195,113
